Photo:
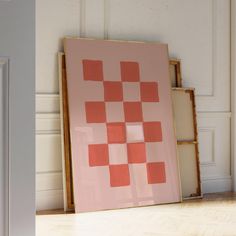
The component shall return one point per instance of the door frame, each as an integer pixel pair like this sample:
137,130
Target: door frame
4,140
17,69
233,92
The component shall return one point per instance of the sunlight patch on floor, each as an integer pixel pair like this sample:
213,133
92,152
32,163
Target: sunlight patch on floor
211,218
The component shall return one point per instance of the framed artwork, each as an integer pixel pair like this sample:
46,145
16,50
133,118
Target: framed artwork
123,143
175,72
185,148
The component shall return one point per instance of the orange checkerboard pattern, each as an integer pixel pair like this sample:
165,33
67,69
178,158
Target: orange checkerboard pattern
127,131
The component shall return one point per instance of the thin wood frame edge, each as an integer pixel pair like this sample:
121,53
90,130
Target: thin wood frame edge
68,201
178,74
59,58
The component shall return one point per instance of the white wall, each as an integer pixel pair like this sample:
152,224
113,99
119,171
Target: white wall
198,32
54,20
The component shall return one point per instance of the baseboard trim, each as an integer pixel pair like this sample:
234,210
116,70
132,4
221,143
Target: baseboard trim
217,184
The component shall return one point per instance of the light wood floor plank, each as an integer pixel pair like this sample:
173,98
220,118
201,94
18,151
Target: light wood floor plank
215,215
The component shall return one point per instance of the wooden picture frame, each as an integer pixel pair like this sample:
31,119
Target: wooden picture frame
65,134
175,72
92,124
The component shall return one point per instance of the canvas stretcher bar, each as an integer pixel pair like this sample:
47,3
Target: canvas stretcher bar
187,138
65,136
175,72
185,114
189,170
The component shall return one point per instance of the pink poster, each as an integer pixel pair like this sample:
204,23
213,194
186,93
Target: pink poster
121,124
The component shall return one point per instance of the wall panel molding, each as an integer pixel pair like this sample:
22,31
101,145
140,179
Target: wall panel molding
49,181
82,18
207,136
93,18
219,96
106,18
48,141
214,115
214,147
217,184
49,193
48,123
47,103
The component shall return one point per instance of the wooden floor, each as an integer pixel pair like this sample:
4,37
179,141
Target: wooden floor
214,215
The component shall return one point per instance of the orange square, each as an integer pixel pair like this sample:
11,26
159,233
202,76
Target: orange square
98,155
136,153
116,132
113,91
95,112
152,131
93,70
149,92
129,71
156,173
133,111
119,175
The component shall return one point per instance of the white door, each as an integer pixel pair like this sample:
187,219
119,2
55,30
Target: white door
17,80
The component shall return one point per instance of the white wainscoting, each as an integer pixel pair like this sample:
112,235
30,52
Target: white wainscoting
47,103
214,149
55,19
49,189
198,32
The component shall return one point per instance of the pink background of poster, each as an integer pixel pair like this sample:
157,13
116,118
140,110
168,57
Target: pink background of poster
92,186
